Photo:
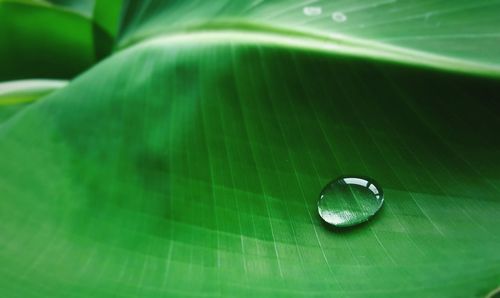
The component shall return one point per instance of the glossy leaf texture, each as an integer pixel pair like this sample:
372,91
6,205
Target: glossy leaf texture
189,163
462,29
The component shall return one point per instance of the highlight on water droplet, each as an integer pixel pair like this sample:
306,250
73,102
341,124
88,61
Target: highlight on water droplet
339,17
348,201
311,11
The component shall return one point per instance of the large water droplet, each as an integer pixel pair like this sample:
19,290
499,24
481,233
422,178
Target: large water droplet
348,201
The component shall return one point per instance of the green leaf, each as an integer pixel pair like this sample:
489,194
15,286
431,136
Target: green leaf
17,95
463,30
193,168
107,14
84,7
42,41
190,162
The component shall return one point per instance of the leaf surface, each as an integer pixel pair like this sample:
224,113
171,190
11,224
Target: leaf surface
190,162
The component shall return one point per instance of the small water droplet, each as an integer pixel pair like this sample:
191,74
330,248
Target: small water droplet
311,11
348,201
339,17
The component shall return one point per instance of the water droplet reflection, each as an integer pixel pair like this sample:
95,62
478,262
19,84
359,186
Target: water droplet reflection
339,17
348,201
311,11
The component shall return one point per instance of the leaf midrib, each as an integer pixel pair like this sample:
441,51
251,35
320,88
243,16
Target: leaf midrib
243,32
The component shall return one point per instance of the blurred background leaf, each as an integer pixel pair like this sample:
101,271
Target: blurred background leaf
39,40
17,95
107,14
85,7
